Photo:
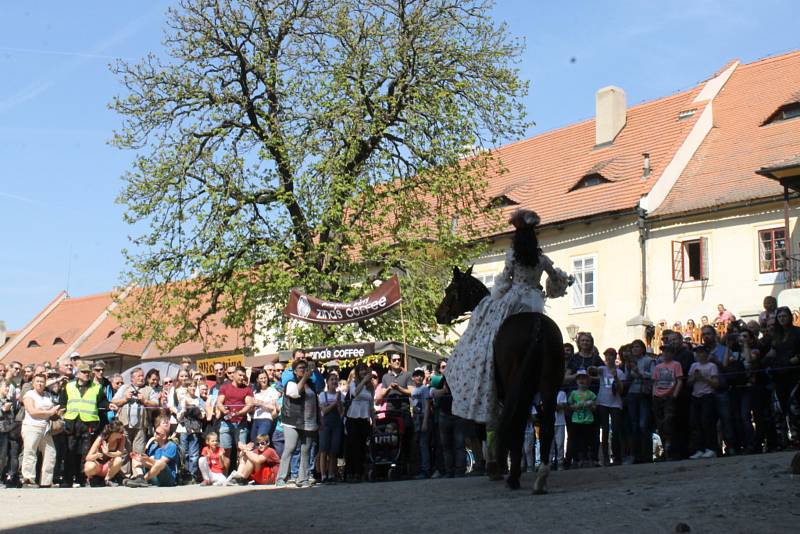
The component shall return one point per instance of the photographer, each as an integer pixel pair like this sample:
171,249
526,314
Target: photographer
131,403
300,422
9,435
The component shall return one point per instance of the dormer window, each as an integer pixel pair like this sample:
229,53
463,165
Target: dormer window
502,201
590,180
58,341
685,114
32,344
784,113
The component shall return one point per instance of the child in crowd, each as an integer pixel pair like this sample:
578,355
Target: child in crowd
581,402
703,379
667,381
107,454
421,410
213,462
331,405
559,437
257,462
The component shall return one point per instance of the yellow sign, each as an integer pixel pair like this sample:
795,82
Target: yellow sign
206,366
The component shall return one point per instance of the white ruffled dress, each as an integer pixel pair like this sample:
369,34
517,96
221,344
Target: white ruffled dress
470,369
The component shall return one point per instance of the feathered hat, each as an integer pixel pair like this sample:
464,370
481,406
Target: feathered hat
524,219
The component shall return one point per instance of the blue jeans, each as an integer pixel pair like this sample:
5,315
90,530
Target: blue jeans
228,430
312,461
190,446
278,441
723,404
451,432
423,440
260,427
639,408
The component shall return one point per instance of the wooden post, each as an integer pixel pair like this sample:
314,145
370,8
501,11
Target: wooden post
788,237
405,342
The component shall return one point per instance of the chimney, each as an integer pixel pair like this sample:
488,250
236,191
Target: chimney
610,114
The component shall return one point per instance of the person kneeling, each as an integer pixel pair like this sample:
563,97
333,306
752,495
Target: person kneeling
107,454
159,466
257,462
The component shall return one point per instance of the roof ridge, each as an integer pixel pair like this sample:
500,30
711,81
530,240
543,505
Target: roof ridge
771,58
628,109
90,297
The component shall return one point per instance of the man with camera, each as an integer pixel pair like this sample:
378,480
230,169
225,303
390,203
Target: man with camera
131,403
83,399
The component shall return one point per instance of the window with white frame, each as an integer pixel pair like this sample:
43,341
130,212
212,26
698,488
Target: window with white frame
584,290
487,279
690,260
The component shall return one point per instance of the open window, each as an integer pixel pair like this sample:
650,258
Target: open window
772,250
790,110
690,260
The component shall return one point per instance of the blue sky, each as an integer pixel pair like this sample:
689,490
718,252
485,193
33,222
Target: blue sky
59,224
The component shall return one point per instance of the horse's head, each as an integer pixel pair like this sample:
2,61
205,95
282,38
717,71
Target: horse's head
461,296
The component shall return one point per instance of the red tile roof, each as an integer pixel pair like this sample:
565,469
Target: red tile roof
542,170
74,318
723,171
67,321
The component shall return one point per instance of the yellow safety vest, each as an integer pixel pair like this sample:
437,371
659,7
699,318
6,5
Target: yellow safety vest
84,406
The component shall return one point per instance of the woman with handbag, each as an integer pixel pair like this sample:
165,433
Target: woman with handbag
191,415
39,410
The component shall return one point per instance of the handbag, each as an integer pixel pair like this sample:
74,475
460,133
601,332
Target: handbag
56,426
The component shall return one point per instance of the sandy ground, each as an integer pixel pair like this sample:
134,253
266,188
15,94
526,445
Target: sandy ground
745,494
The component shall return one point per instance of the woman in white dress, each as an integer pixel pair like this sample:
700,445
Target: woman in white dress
470,370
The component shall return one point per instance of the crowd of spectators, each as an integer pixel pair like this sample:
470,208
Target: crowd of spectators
732,389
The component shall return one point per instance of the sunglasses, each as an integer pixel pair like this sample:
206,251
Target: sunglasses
263,443
395,359
168,381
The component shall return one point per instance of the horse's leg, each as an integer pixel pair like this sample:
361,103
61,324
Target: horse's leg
546,430
515,442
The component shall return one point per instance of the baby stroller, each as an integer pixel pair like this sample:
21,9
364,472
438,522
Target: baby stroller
385,447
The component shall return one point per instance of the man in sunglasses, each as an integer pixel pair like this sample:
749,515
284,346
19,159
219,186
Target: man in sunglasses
397,388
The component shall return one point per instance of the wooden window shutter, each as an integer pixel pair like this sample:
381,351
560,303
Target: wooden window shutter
677,261
703,258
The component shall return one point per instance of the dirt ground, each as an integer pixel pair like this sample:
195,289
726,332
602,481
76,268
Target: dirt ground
731,495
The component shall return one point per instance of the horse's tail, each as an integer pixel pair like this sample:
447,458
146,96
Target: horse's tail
520,394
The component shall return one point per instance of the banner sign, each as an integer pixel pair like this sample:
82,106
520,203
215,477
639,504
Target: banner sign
206,366
340,352
313,310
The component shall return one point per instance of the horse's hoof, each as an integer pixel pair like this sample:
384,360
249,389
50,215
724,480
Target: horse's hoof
512,484
540,491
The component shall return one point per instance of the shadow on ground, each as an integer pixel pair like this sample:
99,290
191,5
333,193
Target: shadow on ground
746,494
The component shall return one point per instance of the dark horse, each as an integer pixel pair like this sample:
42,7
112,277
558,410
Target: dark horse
528,359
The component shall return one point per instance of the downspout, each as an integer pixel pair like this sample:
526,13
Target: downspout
644,233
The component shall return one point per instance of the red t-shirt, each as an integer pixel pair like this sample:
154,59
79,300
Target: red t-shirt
234,399
268,471
214,463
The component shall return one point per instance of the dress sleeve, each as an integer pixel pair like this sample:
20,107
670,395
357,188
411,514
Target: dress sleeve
503,282
557,280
